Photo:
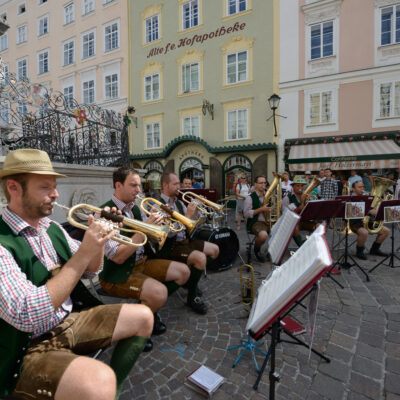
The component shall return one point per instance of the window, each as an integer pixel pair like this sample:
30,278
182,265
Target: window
22,110
107,1
69,95
21,8
22,34
43,62
88,45
111,36
237,124
22,68
190,78
236,67
4,42
190,14
236,6
152,29
390,25
43,25
111,86
390,99
322,40
69,13
191,125
152,87
68,52
6,71
3,17
42,2
153,139
5,112
88,92
87,6
321,108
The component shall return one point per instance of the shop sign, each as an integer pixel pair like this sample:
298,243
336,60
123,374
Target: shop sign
191,153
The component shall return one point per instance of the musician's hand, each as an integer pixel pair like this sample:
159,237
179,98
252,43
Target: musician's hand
155,218
191,210
114,210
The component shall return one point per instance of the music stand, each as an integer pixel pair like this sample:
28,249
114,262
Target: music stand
380,217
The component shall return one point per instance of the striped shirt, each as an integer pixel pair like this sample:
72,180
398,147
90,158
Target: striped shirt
22,304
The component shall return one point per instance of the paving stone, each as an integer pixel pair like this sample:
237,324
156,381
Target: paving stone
336,369
392,383
393,365
367,367
365,386
327,387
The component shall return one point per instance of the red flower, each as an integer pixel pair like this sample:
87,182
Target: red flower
350,139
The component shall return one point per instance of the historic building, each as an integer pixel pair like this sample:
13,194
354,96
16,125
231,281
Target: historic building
340,84
201,73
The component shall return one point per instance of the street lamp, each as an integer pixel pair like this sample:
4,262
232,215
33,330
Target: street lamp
273,105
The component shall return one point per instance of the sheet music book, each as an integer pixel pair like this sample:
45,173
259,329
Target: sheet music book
281,233
205,379
285,282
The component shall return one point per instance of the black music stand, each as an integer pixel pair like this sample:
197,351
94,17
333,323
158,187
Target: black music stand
380,217
322,210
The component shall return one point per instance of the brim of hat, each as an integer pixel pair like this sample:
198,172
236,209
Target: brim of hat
298,183
4,173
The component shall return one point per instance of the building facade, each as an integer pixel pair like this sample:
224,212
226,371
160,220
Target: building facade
77,47
200,76
340,84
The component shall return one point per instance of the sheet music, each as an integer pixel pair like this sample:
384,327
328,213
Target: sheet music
288,279
281,233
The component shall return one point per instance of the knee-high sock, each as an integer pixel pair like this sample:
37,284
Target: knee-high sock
172,287
124,356
298,240
195,275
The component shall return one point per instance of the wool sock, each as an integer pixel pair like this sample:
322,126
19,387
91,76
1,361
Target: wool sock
360,249
195,275
172,287
298,240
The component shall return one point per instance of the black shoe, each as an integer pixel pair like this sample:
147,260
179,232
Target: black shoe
148,346
361,256
198,305
258,255
159,327
377,252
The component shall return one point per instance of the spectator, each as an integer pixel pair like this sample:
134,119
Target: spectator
242,190
367,180
354,177
286,183
186,183
196,184
329,187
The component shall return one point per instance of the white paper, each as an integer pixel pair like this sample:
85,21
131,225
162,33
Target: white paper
206,378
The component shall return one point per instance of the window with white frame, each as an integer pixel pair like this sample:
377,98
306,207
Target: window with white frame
88,45
69,13
87,6
4,42
21,8
191,125
88,92
43,25
390,25
190,77
152,28
111,85
68,92
22,110
236,67
22,34
68,52
152,87
322,40
321,108
236,6
22,68
237,124
43,62
153,135
389,99
111,36
190,14
107,1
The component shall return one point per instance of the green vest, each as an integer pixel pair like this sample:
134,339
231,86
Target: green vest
255,204
293,199
13,342
119,273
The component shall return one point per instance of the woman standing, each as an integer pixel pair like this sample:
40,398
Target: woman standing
242,191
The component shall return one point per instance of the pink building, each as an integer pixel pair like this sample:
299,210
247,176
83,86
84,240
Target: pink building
340,84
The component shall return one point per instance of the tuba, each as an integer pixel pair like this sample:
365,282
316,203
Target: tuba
307,194
346,191
379,187
273,194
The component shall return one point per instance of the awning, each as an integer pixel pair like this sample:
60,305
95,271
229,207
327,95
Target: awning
368,154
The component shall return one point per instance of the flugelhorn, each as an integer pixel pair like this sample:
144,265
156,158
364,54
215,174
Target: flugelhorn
156,232
201,203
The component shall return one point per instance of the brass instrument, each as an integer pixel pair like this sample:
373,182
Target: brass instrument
379,187
273,194
247,284
156,232
307,194
149,205
201,203
346,191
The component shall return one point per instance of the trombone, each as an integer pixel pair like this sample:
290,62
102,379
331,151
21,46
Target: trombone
201,203
156,232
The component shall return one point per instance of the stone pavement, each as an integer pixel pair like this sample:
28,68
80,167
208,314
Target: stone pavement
358,327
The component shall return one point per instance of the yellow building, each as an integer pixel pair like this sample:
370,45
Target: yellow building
201,73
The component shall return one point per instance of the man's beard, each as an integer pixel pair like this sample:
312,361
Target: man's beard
36,209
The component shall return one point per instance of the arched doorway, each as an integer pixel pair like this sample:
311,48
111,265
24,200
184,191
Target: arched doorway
233,168
192,168
153,176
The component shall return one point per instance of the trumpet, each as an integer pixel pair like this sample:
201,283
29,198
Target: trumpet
157,233
201,203
148,204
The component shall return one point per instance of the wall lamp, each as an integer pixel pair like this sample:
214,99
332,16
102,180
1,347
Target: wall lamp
129,114
207,106
273,105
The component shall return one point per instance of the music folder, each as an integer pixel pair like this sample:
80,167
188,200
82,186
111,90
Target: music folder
321,209
380,216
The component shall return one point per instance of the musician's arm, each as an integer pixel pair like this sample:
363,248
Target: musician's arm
118,252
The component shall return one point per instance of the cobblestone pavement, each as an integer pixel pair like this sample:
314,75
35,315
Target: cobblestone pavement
358,327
